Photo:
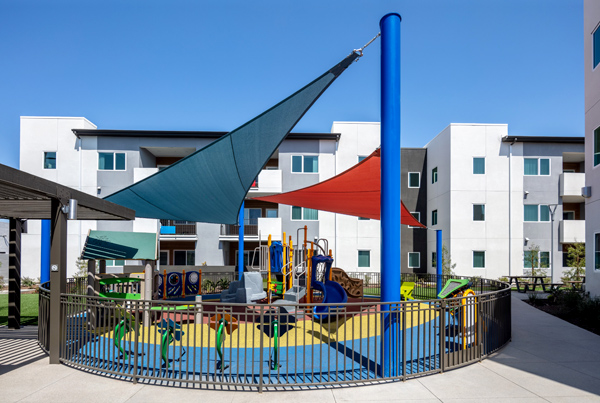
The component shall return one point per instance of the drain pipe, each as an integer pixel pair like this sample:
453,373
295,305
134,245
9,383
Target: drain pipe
510,206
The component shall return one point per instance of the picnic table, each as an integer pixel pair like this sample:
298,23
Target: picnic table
527,281
576,284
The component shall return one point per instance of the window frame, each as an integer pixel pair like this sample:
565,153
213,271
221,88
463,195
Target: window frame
596,146
186,256
164,251
483,211
114,154
478,158
358,257
473,261
419,256
539,213
594,32
568,211
418,180
434,222
417,217
302,164
302,217
434,175
539,166
276,210
596,251
55,160
361,158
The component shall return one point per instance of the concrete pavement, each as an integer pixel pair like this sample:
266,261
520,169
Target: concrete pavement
548,360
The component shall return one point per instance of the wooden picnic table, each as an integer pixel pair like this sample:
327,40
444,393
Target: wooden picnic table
576,284
526,284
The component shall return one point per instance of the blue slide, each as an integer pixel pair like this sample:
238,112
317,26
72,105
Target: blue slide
332,293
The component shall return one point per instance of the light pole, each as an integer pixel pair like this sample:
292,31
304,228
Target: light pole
552,209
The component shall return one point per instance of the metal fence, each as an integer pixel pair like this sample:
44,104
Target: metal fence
238,346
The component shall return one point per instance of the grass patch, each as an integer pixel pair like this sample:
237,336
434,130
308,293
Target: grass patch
29,309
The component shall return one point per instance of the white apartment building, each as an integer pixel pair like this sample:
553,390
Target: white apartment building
493,195
473,181
591,34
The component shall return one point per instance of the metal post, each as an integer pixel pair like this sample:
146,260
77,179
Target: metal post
241,243
438,260
14,274
390,184
149,266
58,276
45,253
552,210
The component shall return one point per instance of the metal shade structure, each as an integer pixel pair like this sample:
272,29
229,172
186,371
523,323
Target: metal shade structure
356,192
111,245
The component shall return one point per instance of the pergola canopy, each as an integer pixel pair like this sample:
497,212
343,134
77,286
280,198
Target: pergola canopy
110,245
26,196
210,185
356,192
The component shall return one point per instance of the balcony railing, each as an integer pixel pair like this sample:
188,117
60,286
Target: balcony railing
231,230
570,186
571,231
175,227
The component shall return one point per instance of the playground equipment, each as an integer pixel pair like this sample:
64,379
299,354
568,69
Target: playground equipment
406,290
321,281
352,286
177,284
170,331
249,289
120,287
224,324
462,313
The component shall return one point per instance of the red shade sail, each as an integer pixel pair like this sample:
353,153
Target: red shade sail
356,191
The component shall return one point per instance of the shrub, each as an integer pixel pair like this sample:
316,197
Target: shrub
27,282
208,286
223,283
2,283
367,280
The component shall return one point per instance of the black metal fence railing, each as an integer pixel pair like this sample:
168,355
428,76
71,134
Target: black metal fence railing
270,346
44,317
175,227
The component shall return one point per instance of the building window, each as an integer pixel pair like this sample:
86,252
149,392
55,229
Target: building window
305,163
164,257
417,216
536,166
434,217
433,259
596,251
302,213
184,257
251,216
434,175
478,165
414,179
363,219
478,212
364,258
414,260
478,259
544,259
111,161
112,263
361,158
597,146
596,46
50,160
535,213
541,260
568,215
272,212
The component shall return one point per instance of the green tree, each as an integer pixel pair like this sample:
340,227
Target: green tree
82,266
447,265
576,262
531,259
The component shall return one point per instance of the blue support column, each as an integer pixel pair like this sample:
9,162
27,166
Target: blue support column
390,190
45,252
438,259
241,243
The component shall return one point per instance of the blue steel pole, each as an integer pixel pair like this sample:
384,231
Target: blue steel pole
438,259
45,252
241,243
390,188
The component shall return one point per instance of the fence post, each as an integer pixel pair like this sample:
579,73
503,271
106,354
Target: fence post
442,336
261,355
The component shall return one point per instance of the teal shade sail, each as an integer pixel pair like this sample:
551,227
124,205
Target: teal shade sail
210,184
115,245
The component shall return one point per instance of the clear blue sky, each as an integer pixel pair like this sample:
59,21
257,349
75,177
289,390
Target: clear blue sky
213,65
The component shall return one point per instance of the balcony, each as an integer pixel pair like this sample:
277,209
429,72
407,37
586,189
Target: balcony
571,231
262,226
268,182
174,228
570,187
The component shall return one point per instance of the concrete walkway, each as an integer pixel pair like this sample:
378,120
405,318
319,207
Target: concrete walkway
549,360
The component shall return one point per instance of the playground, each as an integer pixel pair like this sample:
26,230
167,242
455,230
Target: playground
296,320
